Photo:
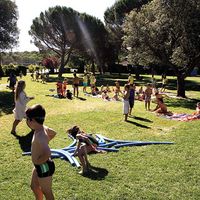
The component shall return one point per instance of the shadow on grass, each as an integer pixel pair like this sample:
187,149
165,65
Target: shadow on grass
6,102
81,98
141,119
137,124
96,173
184,103
25,141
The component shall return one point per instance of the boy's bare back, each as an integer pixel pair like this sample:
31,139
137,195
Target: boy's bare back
40,150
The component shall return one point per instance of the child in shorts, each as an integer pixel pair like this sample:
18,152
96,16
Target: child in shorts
126,96
147,96
41,182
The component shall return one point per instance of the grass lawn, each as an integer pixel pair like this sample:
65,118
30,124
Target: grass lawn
144,172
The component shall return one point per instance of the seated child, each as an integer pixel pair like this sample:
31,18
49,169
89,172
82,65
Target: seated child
116,96
64,87
161,108
108,88
69,95
59,89
197,112
95,90
104,95
101,89
86,144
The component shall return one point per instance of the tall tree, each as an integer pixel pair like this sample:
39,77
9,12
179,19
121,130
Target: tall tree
64,30
167,33
8,24
115,16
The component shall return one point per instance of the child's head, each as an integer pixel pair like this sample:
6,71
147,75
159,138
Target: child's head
198,104
36,112
126,87
148,85
73,131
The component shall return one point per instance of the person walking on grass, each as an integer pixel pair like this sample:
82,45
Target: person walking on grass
41,181
21,99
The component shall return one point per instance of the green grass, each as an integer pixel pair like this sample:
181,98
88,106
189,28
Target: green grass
147,172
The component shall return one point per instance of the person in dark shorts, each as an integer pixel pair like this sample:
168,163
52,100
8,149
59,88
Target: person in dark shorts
131,98
41,182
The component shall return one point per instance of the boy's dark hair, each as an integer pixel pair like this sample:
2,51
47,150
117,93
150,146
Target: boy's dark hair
73,131
36,112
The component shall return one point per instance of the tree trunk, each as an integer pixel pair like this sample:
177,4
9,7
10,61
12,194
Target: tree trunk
93,67
62,65
181,86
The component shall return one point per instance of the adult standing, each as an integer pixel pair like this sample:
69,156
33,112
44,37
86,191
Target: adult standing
13,80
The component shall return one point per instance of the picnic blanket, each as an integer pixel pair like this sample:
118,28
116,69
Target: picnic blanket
182,117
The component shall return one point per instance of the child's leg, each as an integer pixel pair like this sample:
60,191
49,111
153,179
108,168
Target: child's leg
46,187
149,105
77,91
82,154
145,105
15,123
126,117
35,186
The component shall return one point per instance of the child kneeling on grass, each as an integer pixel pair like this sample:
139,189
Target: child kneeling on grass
86,144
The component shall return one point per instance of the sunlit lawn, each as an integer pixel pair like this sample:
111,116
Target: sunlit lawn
145,172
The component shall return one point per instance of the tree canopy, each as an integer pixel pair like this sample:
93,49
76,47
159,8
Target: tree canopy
114,18
65,31
166,33
8,24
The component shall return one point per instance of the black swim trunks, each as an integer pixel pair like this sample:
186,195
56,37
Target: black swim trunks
76,84
46,169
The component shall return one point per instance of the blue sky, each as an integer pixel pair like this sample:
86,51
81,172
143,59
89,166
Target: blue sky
29,9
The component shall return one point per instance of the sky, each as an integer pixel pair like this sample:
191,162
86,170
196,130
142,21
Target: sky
30,9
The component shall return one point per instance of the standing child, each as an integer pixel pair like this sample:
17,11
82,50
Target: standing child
131,98
92,80
20,104
41,182
126,96
64,85
86,144
147,96
75,84
85,82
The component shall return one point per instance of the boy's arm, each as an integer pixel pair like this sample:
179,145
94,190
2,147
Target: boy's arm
50,132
